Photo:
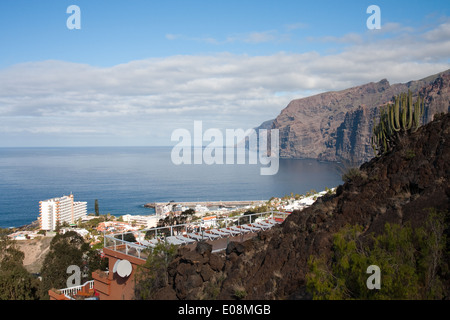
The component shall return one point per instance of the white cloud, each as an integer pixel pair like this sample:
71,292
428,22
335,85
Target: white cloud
147,99
352,38
441,33
296,26
256,37
170,36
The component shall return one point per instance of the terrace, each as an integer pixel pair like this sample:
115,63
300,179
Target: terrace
135,246
218,232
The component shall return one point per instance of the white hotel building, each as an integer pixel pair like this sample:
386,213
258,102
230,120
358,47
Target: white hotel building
59,210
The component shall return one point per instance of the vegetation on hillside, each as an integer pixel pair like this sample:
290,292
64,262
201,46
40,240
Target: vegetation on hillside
413,263
66,250
153,274
16,283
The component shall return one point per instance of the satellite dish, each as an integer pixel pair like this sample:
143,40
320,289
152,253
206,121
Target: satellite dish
123,268
115,266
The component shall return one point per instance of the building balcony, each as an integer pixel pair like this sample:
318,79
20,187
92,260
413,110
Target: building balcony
83,292
102,282
112,285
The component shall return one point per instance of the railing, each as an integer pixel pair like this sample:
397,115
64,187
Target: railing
117,241
129,248
72,291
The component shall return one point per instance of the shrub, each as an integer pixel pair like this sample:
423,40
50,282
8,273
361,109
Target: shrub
411,261
351,174
409,154
153,274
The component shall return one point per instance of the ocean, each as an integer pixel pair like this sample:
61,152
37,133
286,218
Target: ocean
123,179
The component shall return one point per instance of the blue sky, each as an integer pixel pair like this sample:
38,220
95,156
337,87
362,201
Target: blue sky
137,69
116,32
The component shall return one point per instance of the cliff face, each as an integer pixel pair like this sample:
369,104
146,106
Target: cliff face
437,96
398,187
336,126
354,134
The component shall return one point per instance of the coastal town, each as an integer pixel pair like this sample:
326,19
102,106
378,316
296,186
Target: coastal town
127,239
92,227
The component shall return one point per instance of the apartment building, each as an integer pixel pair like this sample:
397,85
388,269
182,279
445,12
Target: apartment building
56,211
142,221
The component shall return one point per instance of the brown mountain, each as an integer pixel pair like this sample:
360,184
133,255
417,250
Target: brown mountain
335,126
398,187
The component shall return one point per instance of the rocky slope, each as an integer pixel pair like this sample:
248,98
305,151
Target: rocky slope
35,251
397,187
336,126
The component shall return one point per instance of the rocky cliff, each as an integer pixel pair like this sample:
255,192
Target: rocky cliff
398,187
336,126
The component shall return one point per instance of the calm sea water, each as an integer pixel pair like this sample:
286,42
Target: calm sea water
124,179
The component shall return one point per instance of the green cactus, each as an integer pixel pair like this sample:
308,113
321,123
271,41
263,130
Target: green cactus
418,112
396,110
404,111
410,111
396,119
374,138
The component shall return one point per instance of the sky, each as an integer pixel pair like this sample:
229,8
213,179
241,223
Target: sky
137,70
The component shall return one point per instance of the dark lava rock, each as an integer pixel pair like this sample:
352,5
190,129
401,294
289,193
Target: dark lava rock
398,187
